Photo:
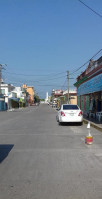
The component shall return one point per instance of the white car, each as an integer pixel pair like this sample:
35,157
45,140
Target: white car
69,113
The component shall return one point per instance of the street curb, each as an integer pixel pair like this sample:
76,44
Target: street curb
93,125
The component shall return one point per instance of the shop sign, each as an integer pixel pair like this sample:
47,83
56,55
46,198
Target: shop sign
58,92
91,86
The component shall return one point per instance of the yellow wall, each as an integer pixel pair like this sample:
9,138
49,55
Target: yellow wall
24,86
30,90
73,100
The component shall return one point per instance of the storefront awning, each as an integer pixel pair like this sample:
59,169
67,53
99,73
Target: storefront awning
91,86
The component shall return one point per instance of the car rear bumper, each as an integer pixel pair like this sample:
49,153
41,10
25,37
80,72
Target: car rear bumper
65,119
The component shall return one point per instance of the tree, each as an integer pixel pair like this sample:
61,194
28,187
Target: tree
36,99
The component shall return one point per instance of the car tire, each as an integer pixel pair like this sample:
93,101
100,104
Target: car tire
59,123
81,123
57,119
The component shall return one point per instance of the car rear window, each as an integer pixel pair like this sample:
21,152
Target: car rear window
70,107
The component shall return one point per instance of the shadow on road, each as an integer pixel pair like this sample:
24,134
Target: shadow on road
5,150
71,124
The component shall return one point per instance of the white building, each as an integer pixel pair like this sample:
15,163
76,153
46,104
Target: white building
11,93
16,92
47,97
5,90
4,94
70,91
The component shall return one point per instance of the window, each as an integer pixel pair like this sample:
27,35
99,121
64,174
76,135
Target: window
70,107
3,91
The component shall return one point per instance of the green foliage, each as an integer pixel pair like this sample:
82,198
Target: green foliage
42,100
36,99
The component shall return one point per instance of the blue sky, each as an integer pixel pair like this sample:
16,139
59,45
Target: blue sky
42,39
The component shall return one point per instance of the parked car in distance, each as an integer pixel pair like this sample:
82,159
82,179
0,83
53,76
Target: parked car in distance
54,105
37,104
69,113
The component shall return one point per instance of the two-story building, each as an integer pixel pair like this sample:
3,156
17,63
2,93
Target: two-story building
72,96
89,88
17,98
30,90
5,89
61,97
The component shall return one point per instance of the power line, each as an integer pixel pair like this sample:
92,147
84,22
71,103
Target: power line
86,62
44,80
19,74
90,8
72,73
64,84
47,85
54,78
50,85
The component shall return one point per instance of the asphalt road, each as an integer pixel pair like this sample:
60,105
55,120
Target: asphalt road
41,160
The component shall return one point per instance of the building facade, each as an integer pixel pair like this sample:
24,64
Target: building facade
5,89
61,97
89,88
72,96
30,90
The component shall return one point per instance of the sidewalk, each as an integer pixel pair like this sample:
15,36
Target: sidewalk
93,122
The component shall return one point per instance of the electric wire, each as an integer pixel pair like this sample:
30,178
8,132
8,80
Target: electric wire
47,85
90,8
85,63
50,79
19,74
64,84
36,82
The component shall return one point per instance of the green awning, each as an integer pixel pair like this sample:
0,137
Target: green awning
80,81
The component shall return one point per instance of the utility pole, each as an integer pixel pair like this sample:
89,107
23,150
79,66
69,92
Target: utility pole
68,86
0,77
1,67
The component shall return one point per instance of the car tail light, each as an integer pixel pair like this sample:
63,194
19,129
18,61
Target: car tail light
62,113
80,113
